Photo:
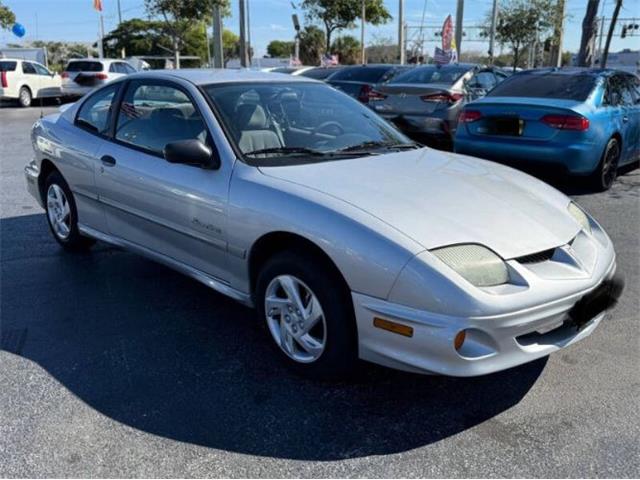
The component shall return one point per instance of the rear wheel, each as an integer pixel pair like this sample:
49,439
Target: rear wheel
607,170
24,97
62,214
308,315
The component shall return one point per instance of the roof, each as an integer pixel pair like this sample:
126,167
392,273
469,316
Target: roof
570,71
203,76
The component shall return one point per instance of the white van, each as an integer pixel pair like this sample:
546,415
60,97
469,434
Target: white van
24,80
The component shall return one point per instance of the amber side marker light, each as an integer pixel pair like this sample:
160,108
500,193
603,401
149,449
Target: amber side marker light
459,340
393,327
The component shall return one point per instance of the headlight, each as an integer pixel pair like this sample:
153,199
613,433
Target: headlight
477,264
578,214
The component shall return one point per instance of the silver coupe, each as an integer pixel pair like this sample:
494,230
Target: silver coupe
350,240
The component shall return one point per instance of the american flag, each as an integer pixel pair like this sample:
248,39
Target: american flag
294,62
130,110
328,60
97,5
442,57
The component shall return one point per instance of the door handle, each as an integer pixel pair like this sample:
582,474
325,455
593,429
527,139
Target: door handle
108,161
625,119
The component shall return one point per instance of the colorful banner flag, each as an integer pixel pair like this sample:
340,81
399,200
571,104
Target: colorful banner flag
97,5
448,53
447,33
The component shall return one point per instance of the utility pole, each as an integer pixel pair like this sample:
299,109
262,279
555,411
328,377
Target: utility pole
249,54
556,59
612,26
363,15
218,52
119,14
459,16
401,32
101,42
243,36
492,34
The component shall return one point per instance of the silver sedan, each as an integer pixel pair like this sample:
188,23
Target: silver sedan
349,240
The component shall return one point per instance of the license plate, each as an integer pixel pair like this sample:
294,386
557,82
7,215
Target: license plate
510,126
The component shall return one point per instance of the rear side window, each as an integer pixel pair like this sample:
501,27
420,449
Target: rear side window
549,85
28,68
361,74
8,66
84,67
95,112
152,115
445,75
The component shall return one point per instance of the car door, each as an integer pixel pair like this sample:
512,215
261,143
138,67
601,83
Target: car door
49,82
630,105
31,78
175,210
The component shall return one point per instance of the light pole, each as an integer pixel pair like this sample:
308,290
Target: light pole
363,15
459,16
401,32
492,34
243,36
218,52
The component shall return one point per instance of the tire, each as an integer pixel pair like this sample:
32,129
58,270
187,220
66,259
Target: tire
62,214
24,97
607,170
330,349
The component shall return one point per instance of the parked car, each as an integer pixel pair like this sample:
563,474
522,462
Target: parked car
83,75
292,70
425,102
358,81
320,73
579,121
22,81
349,239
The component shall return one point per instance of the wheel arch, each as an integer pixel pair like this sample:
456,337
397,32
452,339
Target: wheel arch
279,241
46,167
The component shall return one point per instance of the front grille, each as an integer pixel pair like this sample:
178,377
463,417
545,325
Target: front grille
537,257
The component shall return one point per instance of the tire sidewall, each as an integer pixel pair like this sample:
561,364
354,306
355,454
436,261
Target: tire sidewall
600,181
340,351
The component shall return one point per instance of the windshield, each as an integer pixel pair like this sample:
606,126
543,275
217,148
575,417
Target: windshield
431,74
549,85
360,74
281,123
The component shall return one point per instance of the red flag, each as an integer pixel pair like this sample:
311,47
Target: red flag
97,4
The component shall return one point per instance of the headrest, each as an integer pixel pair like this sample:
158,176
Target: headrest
251,117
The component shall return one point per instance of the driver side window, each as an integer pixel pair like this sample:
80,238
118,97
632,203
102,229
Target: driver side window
152,115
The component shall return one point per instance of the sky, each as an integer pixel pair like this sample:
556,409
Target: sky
75,20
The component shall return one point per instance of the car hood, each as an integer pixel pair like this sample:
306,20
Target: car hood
438,198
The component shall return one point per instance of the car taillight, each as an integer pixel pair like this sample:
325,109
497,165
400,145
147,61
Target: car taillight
64,75
375,95
101,76
468,116
3,79
567,122
442,97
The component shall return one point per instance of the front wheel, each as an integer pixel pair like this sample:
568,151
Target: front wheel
607,170
308,314
62,214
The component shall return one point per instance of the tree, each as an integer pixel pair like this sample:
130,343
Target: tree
7,17
230,46
179,17
59,53
589,29
339,14
311,45
520,22
348,49
280,48
382,50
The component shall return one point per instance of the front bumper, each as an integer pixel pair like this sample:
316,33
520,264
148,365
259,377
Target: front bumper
31,174
492,343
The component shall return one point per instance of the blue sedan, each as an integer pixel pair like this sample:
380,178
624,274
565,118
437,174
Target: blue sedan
580,121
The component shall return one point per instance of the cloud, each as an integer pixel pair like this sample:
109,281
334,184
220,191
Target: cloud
275,27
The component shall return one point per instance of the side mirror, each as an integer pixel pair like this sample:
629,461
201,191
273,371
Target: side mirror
191,152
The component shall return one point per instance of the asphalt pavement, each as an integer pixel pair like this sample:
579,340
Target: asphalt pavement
112,365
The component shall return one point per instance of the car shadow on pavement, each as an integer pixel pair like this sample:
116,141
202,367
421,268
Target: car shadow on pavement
159,352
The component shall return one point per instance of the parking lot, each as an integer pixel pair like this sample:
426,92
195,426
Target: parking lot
112,365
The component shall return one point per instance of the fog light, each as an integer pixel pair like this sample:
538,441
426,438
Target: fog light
459,340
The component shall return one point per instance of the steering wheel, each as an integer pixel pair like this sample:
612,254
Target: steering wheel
330,127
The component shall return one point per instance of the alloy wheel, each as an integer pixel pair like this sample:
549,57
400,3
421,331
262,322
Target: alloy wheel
59,211
295,318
